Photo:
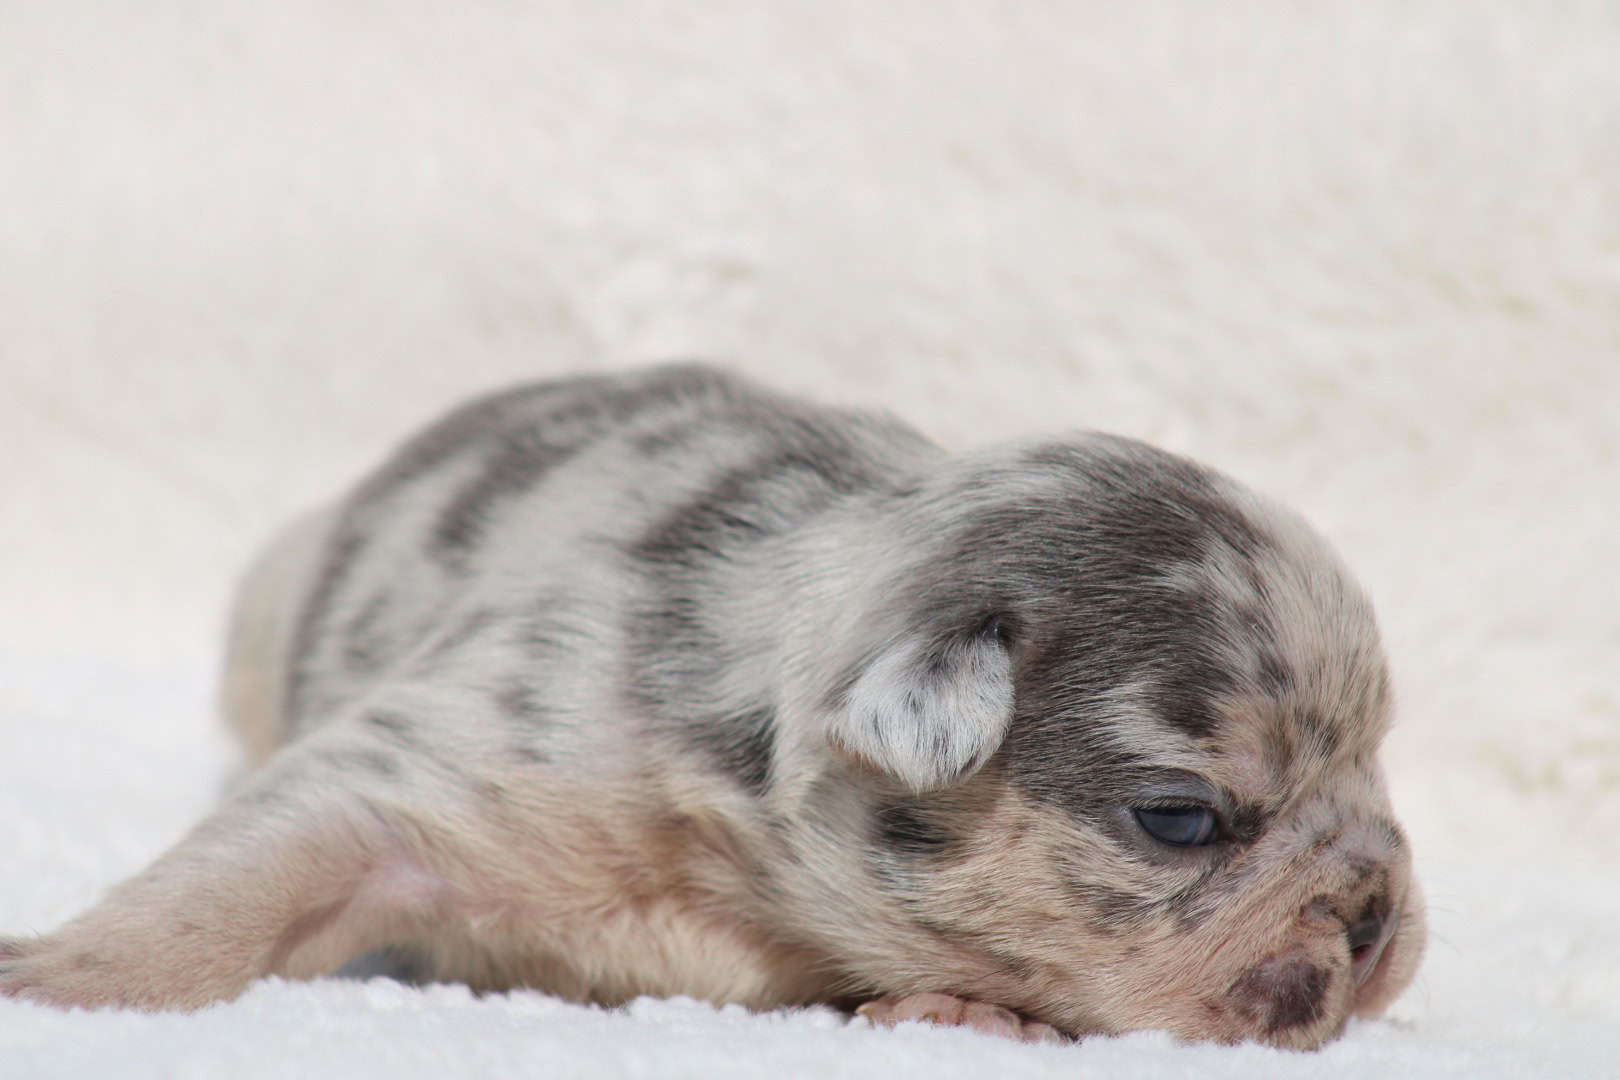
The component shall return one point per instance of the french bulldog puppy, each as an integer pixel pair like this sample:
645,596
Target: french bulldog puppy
669,684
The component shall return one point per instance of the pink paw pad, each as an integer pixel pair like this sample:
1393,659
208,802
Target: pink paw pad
947,1011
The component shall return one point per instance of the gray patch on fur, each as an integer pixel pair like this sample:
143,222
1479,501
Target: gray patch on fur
393,727
587,407
363,636
523,460
800,463
520,702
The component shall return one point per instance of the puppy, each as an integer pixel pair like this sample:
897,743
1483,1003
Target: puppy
667,684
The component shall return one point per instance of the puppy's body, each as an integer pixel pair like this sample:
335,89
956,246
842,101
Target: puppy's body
667,684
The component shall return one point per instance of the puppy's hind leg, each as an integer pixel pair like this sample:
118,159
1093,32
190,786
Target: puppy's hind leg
316,859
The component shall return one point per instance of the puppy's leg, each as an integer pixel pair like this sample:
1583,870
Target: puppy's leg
946,1011
316,859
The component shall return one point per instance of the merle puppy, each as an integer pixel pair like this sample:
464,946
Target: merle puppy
668,684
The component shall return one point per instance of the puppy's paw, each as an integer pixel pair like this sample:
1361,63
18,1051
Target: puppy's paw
78,970
14,956
37,969
947,1011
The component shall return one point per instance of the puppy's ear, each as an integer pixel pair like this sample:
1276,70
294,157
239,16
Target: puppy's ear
930,712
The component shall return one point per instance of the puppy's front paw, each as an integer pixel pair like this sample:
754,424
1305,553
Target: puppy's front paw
947,1011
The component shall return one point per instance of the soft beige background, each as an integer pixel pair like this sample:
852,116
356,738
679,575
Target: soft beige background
1366,257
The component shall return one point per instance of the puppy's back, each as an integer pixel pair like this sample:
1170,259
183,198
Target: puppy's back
567,494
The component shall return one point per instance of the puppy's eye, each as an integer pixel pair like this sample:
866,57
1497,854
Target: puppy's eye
1178,826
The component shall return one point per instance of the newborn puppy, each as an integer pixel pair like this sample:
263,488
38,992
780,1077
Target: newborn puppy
666,684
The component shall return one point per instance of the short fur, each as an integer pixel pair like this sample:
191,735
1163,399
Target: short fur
667,684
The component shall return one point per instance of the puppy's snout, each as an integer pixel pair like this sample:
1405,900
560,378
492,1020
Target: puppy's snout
1367,931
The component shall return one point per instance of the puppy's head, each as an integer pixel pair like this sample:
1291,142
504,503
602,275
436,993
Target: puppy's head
1115,723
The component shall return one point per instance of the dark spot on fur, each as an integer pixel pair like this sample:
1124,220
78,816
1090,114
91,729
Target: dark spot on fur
395,727
1363,870
798,462
492,791
1186,698
529,755
1279,748
1111,909
519,702
727,514
1122,909
739,746
548,631
1247,821
671,648
1281,993
569,412
1324,735
1022,968
363,646
988,944
471,626
805,462
522,460
398,731
1065,762
1163,507
1081,562
665,440
342,549
466,427
1276,680
905,828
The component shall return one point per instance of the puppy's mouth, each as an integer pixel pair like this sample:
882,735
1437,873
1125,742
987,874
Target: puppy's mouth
1366,956
1380,971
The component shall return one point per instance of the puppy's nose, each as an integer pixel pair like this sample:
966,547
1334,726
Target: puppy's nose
1368,935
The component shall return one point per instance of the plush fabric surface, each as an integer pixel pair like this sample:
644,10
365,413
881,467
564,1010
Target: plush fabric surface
1366,257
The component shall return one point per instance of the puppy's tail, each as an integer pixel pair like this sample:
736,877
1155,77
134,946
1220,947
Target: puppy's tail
259,642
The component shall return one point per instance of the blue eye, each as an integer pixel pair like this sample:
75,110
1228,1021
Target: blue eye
1178,826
